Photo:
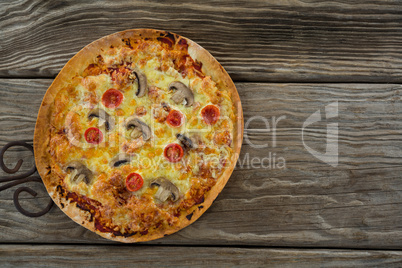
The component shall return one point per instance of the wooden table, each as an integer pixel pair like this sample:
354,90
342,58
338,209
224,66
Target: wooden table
288,59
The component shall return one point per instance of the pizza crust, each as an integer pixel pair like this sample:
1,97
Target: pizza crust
76,65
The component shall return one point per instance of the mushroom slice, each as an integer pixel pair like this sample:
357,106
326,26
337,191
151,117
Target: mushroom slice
142,83
187,142
120,159
166,189
79,172
104,118
182,93
139,128
165,106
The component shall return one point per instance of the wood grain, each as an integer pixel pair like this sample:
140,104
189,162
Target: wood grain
357,204
156,256
280,41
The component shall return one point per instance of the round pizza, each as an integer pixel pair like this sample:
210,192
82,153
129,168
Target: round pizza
138,134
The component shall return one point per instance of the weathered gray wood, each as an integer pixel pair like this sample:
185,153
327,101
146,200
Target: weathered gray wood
357,204
157,256
331,41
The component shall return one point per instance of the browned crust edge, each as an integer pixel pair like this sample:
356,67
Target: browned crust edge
82,59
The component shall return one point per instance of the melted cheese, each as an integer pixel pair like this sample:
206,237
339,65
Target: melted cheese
147,157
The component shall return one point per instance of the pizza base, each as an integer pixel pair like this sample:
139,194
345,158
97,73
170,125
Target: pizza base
77,64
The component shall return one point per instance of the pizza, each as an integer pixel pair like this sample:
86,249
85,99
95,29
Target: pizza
138,134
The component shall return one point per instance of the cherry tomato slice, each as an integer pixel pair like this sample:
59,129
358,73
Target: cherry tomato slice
93,135
173,152
210,114
134,182
112,98
174,118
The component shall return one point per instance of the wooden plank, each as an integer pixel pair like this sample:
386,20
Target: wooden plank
157,256
280,41
357,204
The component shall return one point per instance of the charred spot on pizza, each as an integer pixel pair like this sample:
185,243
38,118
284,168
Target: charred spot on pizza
189,216
99,58
49,170
62,131
61,190
170,36
200,207
129,234
127,41
168,39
